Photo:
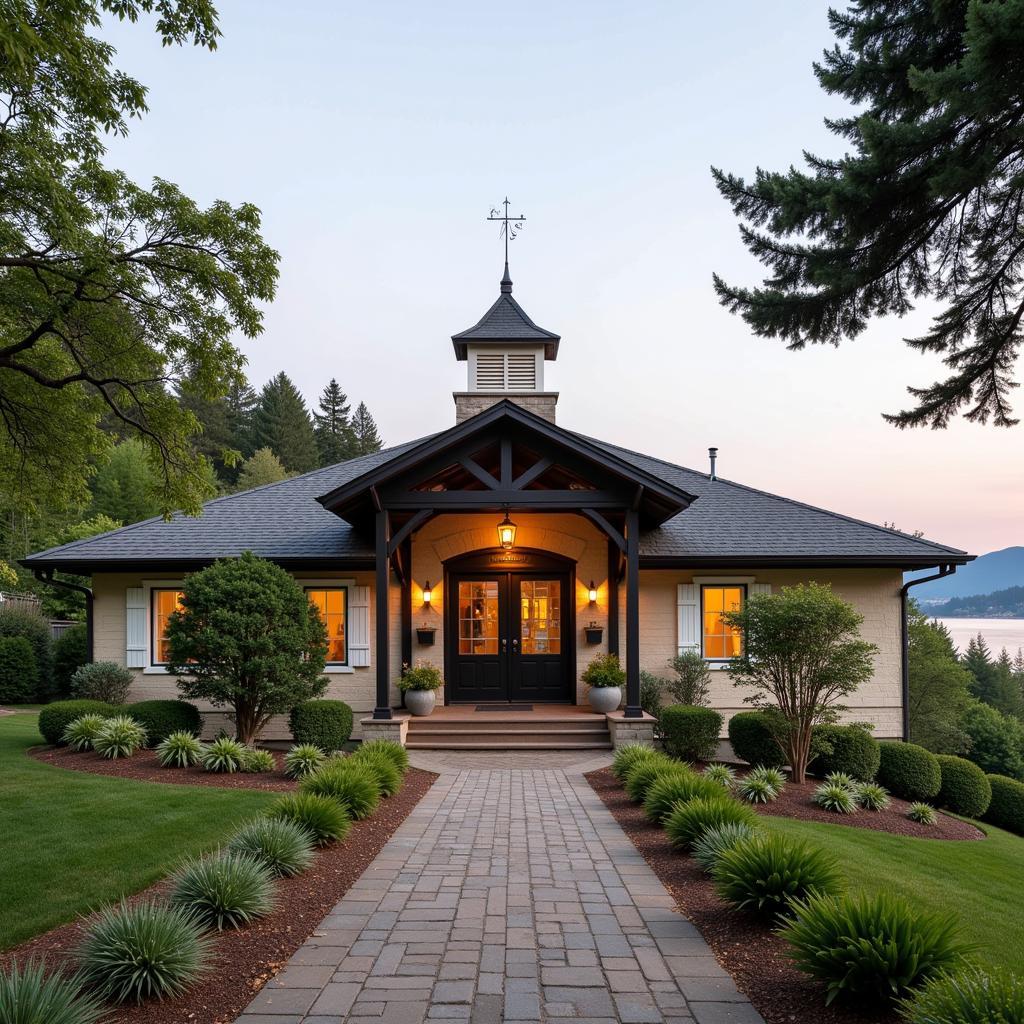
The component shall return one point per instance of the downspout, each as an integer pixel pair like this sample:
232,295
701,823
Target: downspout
945,570
46,576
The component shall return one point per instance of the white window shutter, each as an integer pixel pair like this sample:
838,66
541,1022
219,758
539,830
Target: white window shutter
135,627
688,617
359,626
759,588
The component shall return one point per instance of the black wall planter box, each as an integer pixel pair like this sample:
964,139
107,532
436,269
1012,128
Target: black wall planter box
593,634
425,637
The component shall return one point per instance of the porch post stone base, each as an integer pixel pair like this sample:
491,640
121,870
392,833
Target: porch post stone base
625,730
395,728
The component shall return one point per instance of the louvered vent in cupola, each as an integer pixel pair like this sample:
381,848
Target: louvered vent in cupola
490,371
522,371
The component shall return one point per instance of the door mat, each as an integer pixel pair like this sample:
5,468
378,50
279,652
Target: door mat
504,707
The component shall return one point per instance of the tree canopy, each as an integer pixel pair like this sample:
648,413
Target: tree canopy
282,423
928,203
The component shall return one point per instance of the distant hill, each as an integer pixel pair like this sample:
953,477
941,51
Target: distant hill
998,570
1001,604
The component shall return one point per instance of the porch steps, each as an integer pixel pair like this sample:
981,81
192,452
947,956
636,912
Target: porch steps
511,732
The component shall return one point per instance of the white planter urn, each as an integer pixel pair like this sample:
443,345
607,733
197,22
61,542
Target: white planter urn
604,699
420,702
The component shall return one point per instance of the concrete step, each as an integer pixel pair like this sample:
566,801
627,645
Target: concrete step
503,728
478,743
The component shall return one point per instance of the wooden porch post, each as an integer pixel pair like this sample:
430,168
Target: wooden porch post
613,596
633,709
383,709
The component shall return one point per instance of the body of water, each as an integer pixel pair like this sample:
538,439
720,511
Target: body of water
998,633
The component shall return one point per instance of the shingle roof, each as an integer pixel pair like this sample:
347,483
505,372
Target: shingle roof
728,523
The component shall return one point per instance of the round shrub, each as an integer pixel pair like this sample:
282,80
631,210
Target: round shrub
143,951
678,787
33,627
689,732
643,775
1006,809
965,790
846,748
752,740
395,752
19,675
767,872
382,767
56,717
70,650
303,759
326,724
830,796
628,755
179,750
82,732
870,947
284,847
355,787
923,814
120,736
757,790
909,771
722,774
321,816
30,995
224,754
688,822
224,891
708,846
871,796
257,762
968,995
162,717
102,680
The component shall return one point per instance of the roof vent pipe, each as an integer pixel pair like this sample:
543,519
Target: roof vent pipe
713,456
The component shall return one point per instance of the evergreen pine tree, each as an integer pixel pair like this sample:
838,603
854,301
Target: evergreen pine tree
282,424
125,487
1006,692
334,439
242,401
214,439
977,660
364,430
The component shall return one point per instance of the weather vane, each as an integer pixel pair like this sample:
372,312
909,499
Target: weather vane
510,226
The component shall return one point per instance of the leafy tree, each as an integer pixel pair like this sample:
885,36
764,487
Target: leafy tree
262,467
8,576
126,486
367,440
802,653
247,637
334,437
927,203
281,423
58,603
939,686
997,740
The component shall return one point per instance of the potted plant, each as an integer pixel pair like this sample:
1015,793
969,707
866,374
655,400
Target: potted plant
419,685
605,676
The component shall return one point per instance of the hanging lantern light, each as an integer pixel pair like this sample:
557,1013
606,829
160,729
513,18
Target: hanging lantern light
507,532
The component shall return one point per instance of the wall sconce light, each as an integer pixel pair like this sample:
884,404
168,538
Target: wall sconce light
427,593
507,532
592,593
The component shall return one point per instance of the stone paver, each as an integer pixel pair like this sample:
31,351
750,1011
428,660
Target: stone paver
507,895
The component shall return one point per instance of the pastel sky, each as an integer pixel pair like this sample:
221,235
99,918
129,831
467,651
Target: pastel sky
375,137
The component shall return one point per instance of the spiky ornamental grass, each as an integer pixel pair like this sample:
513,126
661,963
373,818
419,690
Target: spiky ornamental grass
967,995
179,750
870,947
227,890
224,754
767,872
258,762
283,846
643,775
303,759
843,779
82,732
831,796
723,774
628,755
120,736
686,822
872,797
382,767
28,995
353,786
775,777
143,951
322,816
710,844
923,814
675,788
756,790
395,752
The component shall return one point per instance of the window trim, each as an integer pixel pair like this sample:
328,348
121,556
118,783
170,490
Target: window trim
343,586
717,584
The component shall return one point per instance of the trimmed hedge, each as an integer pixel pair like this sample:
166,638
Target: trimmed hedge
326,724
19,676
690,732
36,630
70,652
162,717
965,789
56,717
752,740
854,751
909,771
1007,807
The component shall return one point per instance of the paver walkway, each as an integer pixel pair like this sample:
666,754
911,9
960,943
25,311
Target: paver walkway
507,895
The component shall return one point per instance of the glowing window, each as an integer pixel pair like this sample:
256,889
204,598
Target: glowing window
332,603
720,640
164,602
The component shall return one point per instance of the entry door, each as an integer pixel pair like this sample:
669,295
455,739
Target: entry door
479,624
538,659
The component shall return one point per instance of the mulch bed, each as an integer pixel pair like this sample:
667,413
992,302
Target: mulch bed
245,960
745,947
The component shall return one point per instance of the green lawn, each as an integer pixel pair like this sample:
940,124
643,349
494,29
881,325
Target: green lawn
72,841
979,881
